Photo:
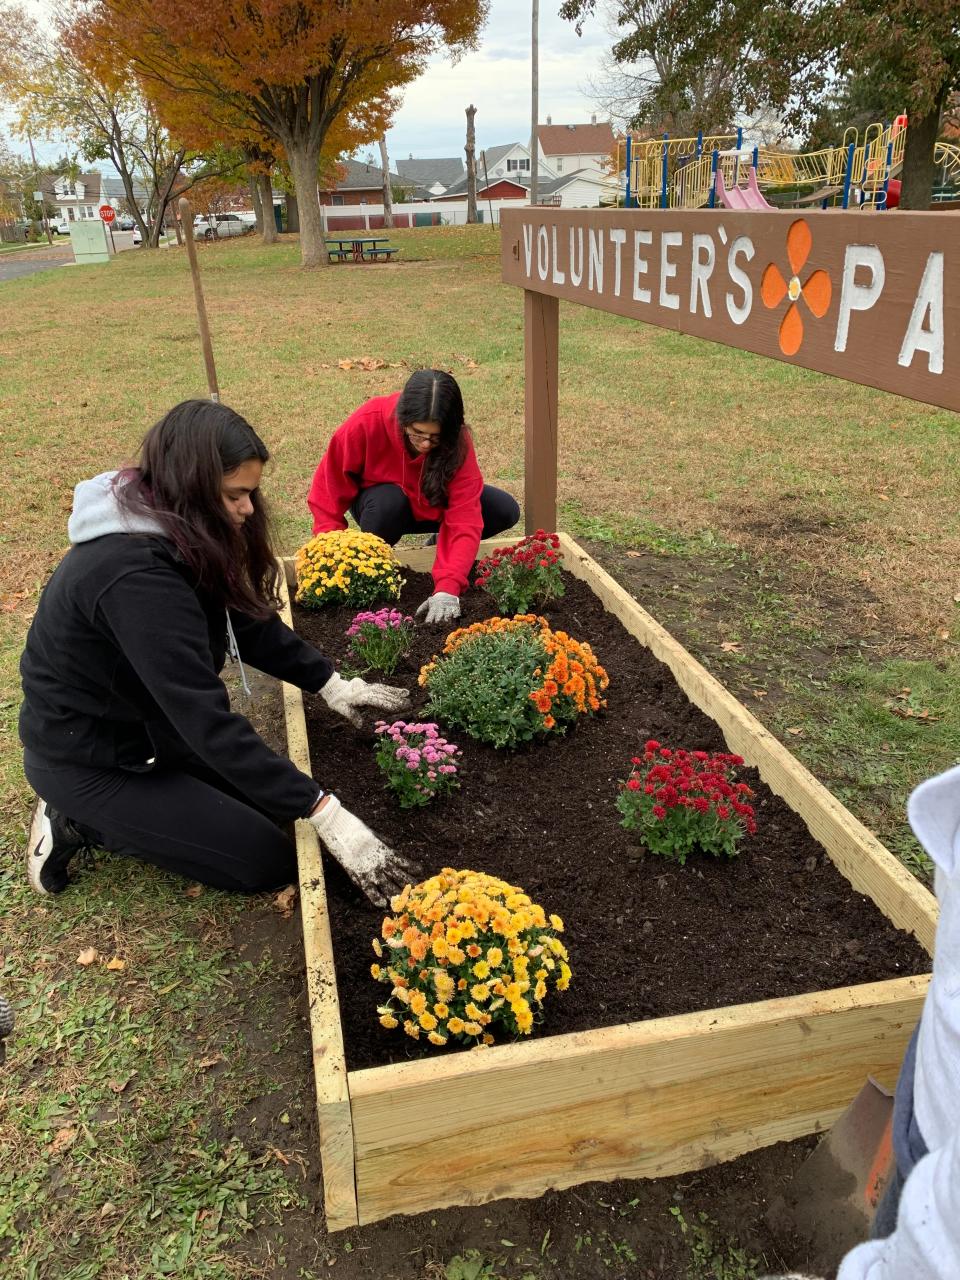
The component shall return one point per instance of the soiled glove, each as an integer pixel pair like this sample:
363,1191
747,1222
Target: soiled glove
440,607
347,696
373,867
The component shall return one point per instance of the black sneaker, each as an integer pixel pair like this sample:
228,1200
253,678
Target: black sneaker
53,841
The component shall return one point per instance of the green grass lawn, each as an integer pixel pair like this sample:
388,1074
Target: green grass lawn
811,524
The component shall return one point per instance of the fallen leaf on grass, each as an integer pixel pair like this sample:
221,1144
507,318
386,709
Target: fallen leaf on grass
635,555
943,634
369,364
116,965
759,693
285,901
278,1155
118,1086
194,891
88,956
206,1063
731,646
795,731
63,1140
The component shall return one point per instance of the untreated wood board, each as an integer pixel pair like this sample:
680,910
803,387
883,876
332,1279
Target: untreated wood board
646,1099
329,1064
858,854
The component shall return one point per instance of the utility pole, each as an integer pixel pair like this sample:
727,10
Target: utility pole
43,205
471,150
534,101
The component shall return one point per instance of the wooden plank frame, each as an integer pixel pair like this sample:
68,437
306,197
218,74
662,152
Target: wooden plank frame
643,1099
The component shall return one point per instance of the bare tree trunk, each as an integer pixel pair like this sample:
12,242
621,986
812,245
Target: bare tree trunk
387,193
254,184
471,150
164,195
918,167
304,161
265,185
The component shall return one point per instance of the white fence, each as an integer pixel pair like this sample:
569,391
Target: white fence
350,217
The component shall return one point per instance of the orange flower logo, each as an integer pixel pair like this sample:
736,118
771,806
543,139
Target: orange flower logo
815,291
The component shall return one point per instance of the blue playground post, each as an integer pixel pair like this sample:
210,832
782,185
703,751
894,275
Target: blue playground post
848,176
756,158
628,199
663,173
736,163
886,180
712,200
699,143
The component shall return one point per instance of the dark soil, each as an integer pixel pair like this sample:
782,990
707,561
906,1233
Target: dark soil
596,1231
646,938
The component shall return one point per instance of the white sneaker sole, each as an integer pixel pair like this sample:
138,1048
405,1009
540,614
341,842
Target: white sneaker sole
39,846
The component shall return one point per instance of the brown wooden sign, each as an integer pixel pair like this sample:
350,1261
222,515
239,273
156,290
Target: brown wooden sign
872,298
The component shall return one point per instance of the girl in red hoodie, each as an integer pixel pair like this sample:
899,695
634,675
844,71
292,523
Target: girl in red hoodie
405,464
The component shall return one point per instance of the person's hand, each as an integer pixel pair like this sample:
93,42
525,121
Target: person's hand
345,697
373,867
440,607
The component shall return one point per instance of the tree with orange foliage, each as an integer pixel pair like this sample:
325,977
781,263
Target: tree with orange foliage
303,76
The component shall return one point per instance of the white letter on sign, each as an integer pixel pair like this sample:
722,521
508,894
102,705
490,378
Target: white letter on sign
543,253
701,271
576,258
528,245
595,266
619,238
668,269
858,297
558,275
929,298
640,265
744,245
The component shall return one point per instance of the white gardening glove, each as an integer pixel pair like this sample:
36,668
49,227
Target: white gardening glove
440,607
375,869
346,696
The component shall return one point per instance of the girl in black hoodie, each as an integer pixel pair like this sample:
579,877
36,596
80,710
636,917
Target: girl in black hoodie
128,734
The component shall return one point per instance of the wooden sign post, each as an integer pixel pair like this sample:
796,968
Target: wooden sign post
873,300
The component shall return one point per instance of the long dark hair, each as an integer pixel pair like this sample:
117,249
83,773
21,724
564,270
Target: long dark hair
431,395
183,460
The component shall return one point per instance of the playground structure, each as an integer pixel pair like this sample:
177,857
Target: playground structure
708,171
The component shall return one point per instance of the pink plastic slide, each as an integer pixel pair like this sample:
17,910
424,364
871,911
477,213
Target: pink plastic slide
747,197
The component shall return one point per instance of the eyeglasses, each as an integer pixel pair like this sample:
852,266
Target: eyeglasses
426,437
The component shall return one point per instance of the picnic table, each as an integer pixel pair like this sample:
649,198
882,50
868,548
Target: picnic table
361,248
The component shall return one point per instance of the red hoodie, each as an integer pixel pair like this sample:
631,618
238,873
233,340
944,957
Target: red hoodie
369,449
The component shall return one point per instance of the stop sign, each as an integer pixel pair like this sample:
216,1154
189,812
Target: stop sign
107,213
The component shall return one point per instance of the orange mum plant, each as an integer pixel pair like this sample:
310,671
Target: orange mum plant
506,680
466,955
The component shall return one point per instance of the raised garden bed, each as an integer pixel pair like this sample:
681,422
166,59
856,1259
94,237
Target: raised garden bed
653,1063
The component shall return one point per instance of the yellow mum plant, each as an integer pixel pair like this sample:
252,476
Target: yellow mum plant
346,567
465,954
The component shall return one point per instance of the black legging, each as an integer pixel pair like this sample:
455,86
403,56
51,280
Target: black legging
384,509
186,820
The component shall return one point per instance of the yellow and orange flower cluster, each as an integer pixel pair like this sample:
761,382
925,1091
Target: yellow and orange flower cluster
466,954
346,567
568,684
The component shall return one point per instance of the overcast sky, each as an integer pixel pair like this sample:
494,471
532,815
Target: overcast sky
496,79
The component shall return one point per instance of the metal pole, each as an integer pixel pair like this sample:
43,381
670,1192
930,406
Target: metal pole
628,199
534,102
186,219
699,143
736,163
886,180
848,176
712,201
663,173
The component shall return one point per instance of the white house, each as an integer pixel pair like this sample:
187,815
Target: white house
564,148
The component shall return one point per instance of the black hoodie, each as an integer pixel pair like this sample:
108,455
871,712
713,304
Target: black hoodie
121,665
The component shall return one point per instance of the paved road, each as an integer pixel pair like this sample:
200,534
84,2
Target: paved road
14,265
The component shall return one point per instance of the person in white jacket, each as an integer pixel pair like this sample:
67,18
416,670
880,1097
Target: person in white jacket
921,1233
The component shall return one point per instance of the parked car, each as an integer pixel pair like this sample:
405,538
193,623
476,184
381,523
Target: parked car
61,227
125,222
227,224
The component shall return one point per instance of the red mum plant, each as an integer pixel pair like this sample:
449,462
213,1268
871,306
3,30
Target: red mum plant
524,573
680,801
